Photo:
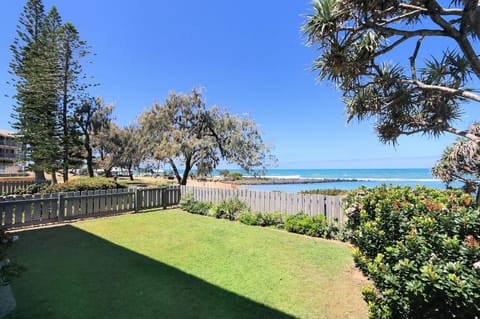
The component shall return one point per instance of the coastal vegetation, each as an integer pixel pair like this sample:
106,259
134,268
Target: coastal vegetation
183,131
235,210
328,192
422,94
420,249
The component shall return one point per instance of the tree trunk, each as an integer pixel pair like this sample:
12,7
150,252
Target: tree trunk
65,172
477,198
108,172
175,171
90,161
185,176
40,176
54,177
130,174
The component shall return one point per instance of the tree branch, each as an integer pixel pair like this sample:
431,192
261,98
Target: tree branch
458,92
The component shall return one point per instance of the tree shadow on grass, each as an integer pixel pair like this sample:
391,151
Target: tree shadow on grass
74,274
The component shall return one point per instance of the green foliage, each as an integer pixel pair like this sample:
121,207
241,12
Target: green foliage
259,219
189,204
234,209
328,192
309,225
184,130
230,208
235,175
83,184
248,218
355,54
33,188
223,172
418,246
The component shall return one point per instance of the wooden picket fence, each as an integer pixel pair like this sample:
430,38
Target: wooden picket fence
287,203
9,187
26,210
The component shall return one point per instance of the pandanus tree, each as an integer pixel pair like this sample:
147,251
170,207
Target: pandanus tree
424,90
461,162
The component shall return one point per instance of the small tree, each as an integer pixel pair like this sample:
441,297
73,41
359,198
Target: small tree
131,151
183,131
93,118
461,162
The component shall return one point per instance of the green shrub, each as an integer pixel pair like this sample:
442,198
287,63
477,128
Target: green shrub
201,208
327,192
259,219
418,246
83,184
191,205
309,225
230,208
187,201
248,218
270,219
235,175
33,188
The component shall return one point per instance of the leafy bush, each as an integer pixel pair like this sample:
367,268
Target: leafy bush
186,201
327,192
33,188
248,218
259,219
270,219
235,175
419,247
230,208
309,225
83,184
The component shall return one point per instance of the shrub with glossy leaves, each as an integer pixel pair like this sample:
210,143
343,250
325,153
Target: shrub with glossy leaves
418,246
309,225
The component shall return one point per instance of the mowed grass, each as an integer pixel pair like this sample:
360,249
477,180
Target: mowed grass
170,264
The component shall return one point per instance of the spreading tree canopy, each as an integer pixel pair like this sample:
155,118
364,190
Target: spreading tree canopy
423,89
183,131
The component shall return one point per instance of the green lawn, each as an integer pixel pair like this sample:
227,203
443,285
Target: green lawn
170,264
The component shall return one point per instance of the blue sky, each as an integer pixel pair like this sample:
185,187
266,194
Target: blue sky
250,58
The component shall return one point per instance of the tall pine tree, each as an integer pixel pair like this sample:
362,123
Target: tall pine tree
36,97
49,81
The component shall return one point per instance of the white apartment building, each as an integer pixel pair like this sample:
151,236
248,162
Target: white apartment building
10,154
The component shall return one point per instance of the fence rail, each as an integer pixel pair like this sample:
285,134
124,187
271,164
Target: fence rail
260,201
9,187
17,211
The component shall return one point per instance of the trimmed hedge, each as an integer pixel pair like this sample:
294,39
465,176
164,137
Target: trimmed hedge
418,246
83,184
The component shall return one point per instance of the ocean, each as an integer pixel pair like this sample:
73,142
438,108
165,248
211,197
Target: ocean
367,177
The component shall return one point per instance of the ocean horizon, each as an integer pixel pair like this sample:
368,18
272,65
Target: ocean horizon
370,177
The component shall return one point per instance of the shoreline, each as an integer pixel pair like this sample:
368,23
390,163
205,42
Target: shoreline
284,181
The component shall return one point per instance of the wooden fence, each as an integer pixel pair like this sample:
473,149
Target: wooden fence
9,187
25,210
260,201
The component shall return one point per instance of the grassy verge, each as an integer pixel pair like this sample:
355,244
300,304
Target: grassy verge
170,264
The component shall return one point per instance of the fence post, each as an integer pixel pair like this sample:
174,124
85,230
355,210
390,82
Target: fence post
165,198
61,206
137,200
